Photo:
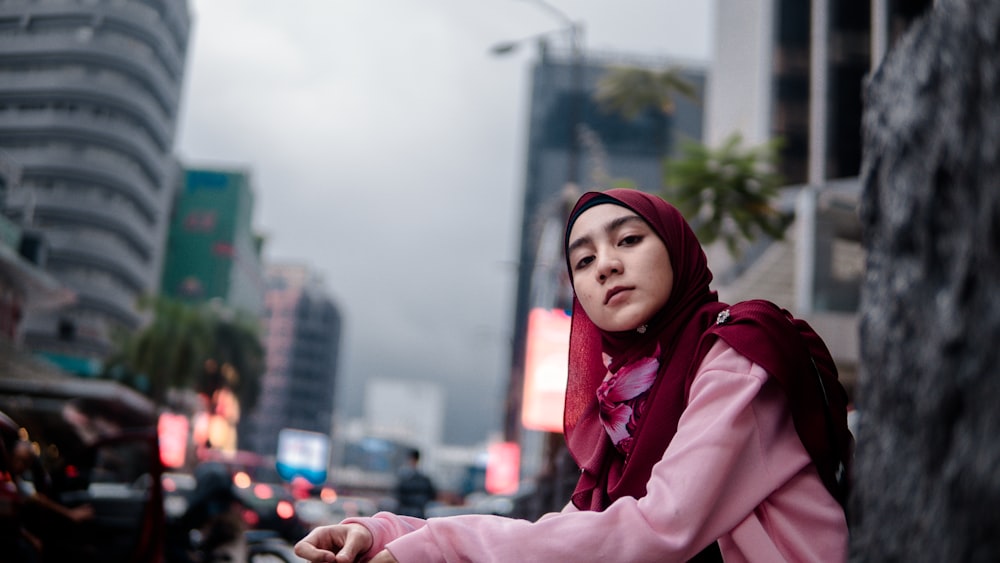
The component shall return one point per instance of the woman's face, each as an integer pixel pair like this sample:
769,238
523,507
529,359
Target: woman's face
621,268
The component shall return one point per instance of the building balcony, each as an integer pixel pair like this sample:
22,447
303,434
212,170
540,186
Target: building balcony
114,172
102,252
105,298
96,211
89,89
98,53
141,19
51,124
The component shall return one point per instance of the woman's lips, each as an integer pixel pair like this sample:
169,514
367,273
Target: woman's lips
614,292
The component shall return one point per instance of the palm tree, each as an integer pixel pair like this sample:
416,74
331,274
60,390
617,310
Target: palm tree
182,346
167,353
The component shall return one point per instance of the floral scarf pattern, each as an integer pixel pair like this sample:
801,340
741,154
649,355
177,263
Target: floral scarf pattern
622,396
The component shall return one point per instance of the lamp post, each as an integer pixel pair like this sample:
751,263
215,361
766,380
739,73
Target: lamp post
544,212
574,31
540,279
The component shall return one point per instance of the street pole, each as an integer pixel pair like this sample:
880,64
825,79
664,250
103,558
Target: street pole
558,473
545,287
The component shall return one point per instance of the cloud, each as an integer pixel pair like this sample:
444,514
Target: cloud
386,151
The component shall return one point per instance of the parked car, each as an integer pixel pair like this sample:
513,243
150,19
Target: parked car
259,544
272,507
98,447
269,501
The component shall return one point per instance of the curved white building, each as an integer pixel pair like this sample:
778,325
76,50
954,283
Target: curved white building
89,95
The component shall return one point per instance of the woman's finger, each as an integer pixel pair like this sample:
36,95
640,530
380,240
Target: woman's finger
319,544
357,540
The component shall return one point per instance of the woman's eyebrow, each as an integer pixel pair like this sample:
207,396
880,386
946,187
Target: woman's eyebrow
615,224
609,228
577,244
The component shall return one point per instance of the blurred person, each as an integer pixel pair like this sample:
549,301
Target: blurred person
212,527
703,431
413,489
17,544
43,519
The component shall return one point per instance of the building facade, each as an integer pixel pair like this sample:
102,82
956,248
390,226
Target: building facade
765,51
574,145
212,249
800,69
24,285
89,95
302,344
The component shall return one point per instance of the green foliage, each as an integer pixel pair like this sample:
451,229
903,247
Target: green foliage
624,183
726,193
629,91
177,348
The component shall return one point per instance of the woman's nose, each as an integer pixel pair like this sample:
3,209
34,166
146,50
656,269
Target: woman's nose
608,266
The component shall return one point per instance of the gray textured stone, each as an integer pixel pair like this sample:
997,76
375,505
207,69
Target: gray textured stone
927,467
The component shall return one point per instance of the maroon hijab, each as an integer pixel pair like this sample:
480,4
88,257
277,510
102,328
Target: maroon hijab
684,328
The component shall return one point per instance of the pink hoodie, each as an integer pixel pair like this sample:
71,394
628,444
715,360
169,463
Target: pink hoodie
736,471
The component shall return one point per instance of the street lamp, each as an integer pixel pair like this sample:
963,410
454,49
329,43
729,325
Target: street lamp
574,30
547,207
545,211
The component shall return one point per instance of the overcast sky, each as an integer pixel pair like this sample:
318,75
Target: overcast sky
386,148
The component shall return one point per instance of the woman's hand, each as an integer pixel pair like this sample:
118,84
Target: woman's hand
340,543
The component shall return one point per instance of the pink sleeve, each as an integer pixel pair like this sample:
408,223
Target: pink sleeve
711,478
385,527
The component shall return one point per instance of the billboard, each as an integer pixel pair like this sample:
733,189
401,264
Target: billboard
502,467
303,454
545,369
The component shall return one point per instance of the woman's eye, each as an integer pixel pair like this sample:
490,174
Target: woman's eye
631,240
582,263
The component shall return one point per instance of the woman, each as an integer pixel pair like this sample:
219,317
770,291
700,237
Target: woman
687,445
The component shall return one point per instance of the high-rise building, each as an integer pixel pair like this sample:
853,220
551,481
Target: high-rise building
574,145
767,50
302,345
89,95
800,68
212,249
24,286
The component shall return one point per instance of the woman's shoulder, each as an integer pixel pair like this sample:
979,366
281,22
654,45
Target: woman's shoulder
723,358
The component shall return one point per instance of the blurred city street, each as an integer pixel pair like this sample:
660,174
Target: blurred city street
261,263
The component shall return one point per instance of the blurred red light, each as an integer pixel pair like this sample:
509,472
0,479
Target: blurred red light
251,518
72,471
173,436
241,479
545,370
285,510
262,491
328,495
502,467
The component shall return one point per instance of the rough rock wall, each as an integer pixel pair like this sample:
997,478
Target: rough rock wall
928,455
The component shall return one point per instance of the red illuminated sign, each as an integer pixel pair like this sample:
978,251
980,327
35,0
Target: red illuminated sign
173,431
545,370
502,468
